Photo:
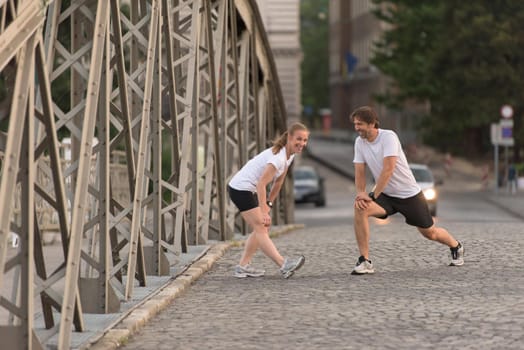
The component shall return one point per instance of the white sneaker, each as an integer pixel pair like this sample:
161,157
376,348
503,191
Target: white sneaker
291,265
363,266
247,271
457,255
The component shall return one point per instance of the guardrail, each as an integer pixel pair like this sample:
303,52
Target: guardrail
155,81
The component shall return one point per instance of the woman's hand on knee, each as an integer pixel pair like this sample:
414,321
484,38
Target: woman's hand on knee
266,220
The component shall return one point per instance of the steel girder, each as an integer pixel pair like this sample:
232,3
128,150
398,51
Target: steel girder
163,100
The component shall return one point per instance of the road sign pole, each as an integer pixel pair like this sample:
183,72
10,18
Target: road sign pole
506,163
496,167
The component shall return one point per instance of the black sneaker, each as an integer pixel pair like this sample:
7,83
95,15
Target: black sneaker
457,255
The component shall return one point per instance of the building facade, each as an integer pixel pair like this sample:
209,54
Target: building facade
282,22
353,80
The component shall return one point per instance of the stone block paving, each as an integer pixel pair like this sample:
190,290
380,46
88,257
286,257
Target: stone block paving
413,301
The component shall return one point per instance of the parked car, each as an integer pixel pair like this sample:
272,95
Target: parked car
309,186
426,181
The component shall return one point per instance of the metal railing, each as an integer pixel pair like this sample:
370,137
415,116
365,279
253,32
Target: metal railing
184,92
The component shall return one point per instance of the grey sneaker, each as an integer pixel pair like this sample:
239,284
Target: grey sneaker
247,271
363,266
291,265
457,255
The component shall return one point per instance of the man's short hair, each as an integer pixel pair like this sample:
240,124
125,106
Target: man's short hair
365,114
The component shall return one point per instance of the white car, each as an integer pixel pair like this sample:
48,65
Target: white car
426,181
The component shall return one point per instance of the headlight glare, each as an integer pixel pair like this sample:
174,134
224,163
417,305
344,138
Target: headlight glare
430,194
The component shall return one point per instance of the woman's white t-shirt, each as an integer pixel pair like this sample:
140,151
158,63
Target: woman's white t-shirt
246,179
402,183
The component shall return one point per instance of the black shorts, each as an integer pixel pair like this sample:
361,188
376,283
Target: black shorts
415,209
244,200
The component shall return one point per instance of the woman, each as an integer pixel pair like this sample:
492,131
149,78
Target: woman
247,189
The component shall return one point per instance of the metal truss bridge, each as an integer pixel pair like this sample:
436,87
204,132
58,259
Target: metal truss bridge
121,123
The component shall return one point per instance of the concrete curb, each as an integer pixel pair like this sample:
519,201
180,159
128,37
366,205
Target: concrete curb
163,297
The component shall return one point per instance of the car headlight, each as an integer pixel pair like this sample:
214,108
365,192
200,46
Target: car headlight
430,194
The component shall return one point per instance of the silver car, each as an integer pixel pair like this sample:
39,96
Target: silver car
309,186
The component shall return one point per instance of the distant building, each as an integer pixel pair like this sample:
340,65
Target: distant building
353,80
282,22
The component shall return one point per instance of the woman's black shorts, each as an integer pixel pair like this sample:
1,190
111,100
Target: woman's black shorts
415,209
244,200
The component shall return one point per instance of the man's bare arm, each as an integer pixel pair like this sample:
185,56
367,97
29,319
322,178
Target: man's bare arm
389,165
360,177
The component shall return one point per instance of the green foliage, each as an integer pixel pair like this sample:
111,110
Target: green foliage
314,39
464,58
402,52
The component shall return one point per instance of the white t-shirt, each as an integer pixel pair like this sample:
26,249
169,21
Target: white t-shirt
246,179
402,183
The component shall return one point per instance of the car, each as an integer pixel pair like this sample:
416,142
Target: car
426,181
308,186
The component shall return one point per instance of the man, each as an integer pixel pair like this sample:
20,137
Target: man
395,189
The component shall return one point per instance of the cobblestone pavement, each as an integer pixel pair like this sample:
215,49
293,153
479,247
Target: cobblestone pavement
413,301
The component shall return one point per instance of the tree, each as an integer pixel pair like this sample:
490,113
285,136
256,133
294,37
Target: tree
314,42
464,58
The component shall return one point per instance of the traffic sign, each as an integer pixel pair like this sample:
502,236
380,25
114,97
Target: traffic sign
506,111
502,133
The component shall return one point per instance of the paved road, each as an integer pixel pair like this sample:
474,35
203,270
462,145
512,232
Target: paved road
413,301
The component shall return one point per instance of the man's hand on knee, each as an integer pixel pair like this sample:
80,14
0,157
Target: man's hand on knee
362,203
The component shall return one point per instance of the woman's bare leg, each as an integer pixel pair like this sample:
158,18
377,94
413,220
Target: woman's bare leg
259,238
